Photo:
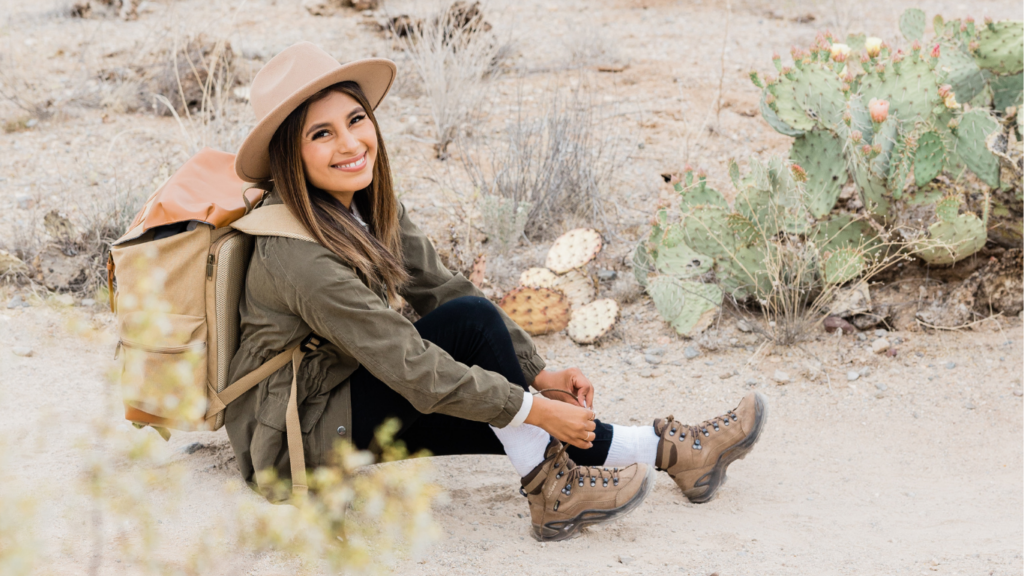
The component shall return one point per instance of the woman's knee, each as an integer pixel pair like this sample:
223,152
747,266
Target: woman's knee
476,309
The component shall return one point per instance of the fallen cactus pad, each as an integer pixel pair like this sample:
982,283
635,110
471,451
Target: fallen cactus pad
573,250
538,278
537,310
592,321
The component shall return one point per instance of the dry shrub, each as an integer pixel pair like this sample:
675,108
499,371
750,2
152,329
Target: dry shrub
554,164
124,9
453,53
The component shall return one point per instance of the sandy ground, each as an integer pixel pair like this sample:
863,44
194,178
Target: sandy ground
915,467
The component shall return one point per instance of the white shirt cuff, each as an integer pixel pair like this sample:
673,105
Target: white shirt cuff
524,410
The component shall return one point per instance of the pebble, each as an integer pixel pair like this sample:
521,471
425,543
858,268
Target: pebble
726,375
17,302
24,201
969,406
865,371
861,337
742,326
834,323
950,365
607,275
65,299
1018,393
851,375
24,351
652,358
751,383
625,559
192,448
881,332
880,345
88,303
881,386
780,377
691,352
656,351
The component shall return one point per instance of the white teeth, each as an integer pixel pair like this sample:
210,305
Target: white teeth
357,163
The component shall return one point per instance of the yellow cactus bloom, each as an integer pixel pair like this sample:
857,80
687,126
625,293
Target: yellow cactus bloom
873,46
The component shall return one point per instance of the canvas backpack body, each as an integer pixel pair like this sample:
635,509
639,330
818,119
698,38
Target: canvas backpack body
180,274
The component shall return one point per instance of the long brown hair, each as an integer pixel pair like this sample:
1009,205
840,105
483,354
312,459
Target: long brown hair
376,251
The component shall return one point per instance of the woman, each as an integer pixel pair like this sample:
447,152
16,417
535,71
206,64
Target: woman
458,379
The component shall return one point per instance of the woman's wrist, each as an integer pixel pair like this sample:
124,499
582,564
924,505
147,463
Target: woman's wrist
543,380
538,411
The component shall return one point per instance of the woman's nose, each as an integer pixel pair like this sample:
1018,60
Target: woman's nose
347,141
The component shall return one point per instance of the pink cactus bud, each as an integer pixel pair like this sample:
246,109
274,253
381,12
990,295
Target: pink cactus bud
865,149
856,136
775,56
845,87
988,20
935,51
769,99
829,36
969,19
916,46
897,57
879,110
876,149
952,124
973,46
963,26
687,168
794,52
880,68
847,118
769,80
785,71
701,173
945,89
849,78
799,174
864,58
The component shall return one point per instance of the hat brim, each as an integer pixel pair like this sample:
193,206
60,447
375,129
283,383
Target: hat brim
374,76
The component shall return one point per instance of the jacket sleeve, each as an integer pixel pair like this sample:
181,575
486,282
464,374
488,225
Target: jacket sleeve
328,295
433,285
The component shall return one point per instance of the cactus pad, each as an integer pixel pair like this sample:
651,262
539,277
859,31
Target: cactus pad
912,93
577,287
775,122
813,98
700,194
680,261
948,209
538,278
573,249
821,155
842,265
844,231
537,310
689,307
950,242
1008,91
958,69
975,126
928,159
643,264
591,322
703,226
912,24
999,47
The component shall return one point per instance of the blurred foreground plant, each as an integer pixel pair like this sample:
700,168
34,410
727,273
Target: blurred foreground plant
18,545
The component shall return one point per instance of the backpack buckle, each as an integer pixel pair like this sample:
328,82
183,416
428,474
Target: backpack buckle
311,343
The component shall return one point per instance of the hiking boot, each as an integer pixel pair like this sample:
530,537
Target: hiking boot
696,456
565,497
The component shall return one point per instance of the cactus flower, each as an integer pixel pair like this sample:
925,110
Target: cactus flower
950,101
973,46
936,51
856,136
879,110
873,46
915,47
840,52
769,99
944,90
701,174
799,174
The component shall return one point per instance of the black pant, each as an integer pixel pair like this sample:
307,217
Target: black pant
472,332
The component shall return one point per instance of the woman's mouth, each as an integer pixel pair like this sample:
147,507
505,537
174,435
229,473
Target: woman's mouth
352,165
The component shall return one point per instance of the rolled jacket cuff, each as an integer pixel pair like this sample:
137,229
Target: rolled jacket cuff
524,410
531,367
511,409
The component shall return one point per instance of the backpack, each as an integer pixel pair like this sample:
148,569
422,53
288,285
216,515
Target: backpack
180,273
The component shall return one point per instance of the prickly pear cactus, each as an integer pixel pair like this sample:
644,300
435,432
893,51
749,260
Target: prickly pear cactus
689,307
999,47
954,240
975,126
912,24
537,310
573,250
928,159
589,323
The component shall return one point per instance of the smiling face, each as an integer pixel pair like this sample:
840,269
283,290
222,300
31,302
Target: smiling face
338,146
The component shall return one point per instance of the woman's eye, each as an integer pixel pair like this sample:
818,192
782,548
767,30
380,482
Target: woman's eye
319,134
358,118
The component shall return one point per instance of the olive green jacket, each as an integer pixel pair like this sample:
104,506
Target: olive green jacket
294,287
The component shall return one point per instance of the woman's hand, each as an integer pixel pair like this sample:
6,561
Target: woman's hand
566,422
570,380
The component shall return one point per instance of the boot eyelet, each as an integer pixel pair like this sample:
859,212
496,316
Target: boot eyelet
557,502
672,432
605,483
581,482
726,421
593,481
616,481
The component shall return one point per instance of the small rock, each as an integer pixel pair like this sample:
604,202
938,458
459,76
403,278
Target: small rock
750,383
865,371
950,365
726,375
656,351
881,386
23,351
17,302
652,359
192,448
834,323
625,559
734,342
1018,393
851,375
861,337
742,326
691,352
969,406
880,345
24,201
65,299
891,353
881,333
676,362
88,303
780,377
879,395
607,275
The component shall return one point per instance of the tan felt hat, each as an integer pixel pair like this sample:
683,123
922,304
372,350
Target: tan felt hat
291,77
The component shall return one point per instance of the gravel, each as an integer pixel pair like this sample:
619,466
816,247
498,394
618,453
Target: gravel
691,352
852,375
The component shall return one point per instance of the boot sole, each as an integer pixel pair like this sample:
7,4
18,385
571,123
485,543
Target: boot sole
706,486
565,529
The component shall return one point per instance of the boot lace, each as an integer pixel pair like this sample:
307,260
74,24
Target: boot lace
698,431
577,476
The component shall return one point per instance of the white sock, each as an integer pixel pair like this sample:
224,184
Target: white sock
632,444
524,445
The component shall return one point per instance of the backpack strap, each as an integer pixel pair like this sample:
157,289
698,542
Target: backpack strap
273,220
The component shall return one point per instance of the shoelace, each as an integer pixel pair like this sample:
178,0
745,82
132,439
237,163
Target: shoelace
697,431
577,476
